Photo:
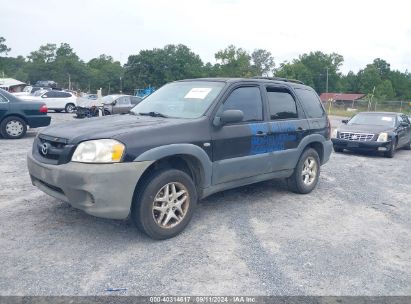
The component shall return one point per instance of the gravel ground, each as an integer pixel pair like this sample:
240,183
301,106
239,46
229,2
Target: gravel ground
351,236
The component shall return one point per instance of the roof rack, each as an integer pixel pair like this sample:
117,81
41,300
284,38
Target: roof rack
279,79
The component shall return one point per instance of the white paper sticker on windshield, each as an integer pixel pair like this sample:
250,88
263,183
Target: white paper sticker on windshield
198,93
386,118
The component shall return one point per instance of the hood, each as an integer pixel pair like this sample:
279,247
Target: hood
105,127
371,129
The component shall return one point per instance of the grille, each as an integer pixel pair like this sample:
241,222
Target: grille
57,149
356,136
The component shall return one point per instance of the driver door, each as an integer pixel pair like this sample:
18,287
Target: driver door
240,149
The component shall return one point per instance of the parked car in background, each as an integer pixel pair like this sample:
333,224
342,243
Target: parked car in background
374,131
119,104
16,115
55,100
30,90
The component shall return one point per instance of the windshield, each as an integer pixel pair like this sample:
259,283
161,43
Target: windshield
188,99
373,119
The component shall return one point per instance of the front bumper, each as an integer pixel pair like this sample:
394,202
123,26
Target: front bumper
102,190
361,145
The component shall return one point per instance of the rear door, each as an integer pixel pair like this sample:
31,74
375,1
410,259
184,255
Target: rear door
123,105
314,111
288,126
403,131
240,149
4,106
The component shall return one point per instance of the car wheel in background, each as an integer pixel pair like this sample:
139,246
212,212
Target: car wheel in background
70,108
107,112
58,111
306,173
13,127
337,150
164,204
390,153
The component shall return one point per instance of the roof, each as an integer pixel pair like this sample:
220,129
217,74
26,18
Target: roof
340,96
10,82
289,82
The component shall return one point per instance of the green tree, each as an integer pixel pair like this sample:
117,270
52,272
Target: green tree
368,79
296,70
104,73
263,62
158,66
233,62
3,47
385,91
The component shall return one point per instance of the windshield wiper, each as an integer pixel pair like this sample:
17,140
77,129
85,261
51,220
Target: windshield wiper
153,114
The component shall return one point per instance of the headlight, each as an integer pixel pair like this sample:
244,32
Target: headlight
99,151
383,137
335,133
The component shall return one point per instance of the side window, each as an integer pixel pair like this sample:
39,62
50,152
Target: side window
311,103
50,94
125,100
65,94
246,99
405,118
281,104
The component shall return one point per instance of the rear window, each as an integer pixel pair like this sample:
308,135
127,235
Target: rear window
311,103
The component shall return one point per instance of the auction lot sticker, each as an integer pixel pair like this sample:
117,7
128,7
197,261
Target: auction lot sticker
198,93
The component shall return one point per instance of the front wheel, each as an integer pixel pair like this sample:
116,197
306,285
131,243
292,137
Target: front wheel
70,108
165,204
390,153
337,149
306,173
13,127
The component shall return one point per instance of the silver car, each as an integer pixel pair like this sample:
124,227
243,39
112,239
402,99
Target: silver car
119,104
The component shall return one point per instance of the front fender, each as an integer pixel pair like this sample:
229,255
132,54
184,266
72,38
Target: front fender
181,149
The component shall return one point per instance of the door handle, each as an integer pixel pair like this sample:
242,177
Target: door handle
260,133
300,129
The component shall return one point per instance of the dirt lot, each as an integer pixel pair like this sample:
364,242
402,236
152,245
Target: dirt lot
351,236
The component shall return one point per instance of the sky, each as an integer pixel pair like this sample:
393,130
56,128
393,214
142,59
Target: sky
359,30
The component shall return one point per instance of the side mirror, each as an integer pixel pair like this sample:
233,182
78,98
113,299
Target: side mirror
344,121
114,102
228,116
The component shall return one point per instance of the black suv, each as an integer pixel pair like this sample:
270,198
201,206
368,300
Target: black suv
187,140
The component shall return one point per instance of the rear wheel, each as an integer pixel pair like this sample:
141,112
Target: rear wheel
70,108
306,173
165,204
13,127
390,153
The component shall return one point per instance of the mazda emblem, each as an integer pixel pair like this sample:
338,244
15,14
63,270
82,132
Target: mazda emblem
45,149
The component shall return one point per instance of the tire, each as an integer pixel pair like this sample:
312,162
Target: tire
13,127
390,153
337,150
153,221
298,182
106,112
58,111
69,108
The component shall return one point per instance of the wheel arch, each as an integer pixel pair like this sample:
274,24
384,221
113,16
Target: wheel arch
15,115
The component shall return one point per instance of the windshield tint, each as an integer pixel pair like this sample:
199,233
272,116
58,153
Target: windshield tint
373,119
188,99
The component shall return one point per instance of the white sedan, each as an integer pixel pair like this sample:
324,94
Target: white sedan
55,100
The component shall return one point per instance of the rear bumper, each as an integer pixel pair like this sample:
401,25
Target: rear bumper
361,145
38,121
102,190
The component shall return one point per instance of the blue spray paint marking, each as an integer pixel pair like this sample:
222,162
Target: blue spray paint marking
272,142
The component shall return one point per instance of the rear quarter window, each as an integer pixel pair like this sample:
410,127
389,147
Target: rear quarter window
311,103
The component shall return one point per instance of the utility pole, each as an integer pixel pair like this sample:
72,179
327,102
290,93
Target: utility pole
69,86
121,86
326,83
